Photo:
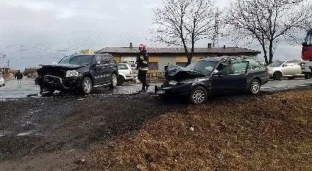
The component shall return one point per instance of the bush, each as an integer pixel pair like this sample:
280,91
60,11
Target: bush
30,71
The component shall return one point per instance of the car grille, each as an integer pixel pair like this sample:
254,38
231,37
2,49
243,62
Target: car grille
55,72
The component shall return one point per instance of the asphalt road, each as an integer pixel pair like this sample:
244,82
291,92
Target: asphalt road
11,90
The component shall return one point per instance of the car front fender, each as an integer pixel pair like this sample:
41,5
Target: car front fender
123,75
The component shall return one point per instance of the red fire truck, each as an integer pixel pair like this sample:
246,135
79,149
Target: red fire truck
307,54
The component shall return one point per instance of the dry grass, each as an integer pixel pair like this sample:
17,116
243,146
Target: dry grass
270,132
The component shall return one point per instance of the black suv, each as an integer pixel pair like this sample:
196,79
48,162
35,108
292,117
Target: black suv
79,73
212,76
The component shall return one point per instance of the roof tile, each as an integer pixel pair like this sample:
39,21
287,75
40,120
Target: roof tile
177,50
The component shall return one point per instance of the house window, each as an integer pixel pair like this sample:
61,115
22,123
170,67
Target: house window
153,65
181,64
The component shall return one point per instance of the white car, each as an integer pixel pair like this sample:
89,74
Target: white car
2,82
289,69
125,73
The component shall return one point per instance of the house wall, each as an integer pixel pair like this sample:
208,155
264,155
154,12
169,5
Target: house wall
164,61
159,61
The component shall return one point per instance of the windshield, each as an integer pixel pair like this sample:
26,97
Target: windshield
77,60
202,66
276,63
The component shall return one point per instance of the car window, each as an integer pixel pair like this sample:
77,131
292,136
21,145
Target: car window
239,67
77,60
108,58
309,39
105,59
224,67
293,62
276,63
253,64
123,67
235,68
202,66
98,59
289,62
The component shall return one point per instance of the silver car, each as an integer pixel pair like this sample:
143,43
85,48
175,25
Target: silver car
289,69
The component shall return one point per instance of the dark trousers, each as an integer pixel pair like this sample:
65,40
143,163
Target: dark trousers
142,78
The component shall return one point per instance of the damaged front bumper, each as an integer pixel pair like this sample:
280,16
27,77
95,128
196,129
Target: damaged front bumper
58,83
184,89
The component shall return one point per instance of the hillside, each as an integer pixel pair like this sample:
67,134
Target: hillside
266,132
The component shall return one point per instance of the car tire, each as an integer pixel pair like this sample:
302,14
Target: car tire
198,95
254,87
307,75
114,81
86,85
277,75
121,80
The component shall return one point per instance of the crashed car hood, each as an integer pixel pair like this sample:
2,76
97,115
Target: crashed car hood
178,73
63,66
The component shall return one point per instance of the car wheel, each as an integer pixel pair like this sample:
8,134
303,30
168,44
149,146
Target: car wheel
277,75
121,80
86,85
307,75
254,87
198,95
114,81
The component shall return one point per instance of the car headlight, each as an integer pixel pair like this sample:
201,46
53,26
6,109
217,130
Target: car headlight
176,83
72,73
172,82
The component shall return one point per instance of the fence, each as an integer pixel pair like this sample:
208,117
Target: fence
155,76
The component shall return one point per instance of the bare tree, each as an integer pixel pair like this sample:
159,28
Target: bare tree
183,23
268,21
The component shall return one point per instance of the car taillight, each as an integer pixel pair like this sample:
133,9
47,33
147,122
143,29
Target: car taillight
267,71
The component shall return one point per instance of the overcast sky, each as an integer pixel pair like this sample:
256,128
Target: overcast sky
43,31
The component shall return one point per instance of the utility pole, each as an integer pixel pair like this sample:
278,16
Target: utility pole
3,56
216,29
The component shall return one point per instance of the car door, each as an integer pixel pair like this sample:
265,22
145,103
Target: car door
107,68
255,69
97,70
297,68
288,68
233,78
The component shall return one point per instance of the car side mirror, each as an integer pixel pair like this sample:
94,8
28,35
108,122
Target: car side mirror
284,65
304,44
